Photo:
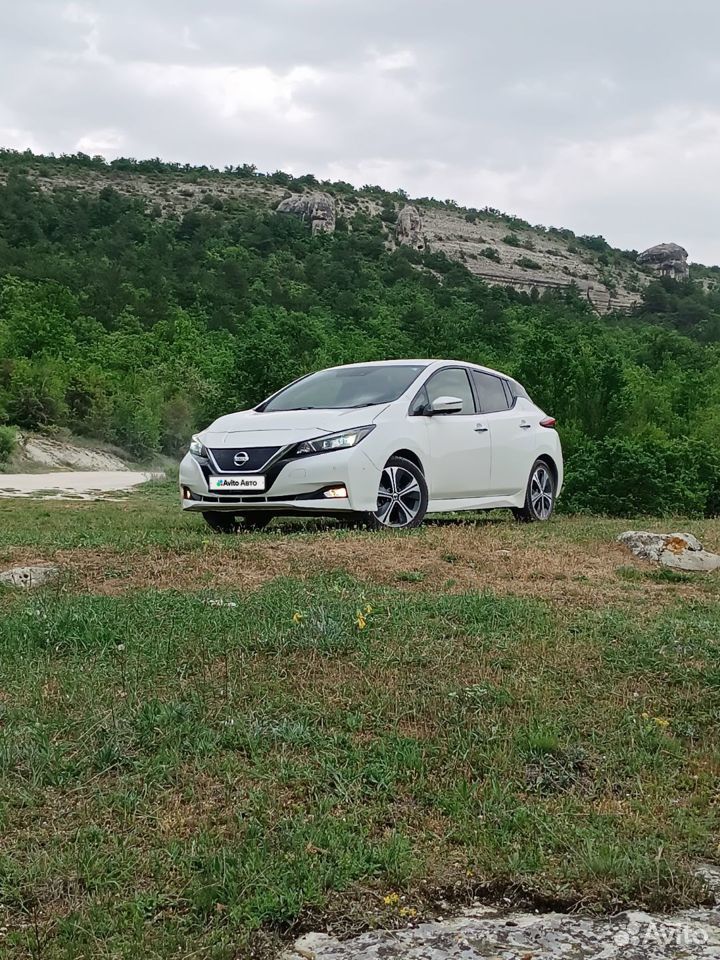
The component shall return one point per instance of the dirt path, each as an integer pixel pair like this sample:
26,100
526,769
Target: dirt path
83,485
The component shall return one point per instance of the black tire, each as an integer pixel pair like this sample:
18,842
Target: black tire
539,495
228,523
402,497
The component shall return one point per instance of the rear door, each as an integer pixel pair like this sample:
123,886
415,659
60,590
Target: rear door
510,433
459,443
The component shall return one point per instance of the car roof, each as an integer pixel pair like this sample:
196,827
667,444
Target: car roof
427,362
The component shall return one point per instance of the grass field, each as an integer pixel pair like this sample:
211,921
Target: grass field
208,743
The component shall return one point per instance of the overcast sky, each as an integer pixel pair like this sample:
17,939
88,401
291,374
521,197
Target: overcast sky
599,116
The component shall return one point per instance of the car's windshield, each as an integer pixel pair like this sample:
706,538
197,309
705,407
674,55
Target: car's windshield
345,387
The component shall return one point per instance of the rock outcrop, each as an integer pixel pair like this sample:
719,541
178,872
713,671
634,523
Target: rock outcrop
408,229
680,551
490,932
28,577
667,259
318,208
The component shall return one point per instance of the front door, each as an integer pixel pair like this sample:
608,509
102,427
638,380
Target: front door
459,443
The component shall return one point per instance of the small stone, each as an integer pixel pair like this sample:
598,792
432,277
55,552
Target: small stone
27,578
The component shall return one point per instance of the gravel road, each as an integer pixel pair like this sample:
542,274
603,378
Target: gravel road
86,484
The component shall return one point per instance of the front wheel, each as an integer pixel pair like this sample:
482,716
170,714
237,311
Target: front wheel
228,523
539,496
402,497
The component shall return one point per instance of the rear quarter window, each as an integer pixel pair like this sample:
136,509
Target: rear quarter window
518,390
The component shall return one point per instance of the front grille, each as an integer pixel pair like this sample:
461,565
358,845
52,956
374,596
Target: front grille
257,458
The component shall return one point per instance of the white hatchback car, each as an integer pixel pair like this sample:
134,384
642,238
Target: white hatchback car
387,442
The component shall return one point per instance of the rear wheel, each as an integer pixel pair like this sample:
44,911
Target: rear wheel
228,523
539,496
402,497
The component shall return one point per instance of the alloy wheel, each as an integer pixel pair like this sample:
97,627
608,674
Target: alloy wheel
541,492
399,498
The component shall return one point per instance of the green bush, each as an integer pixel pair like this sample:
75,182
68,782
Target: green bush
512,240
528,263
35,393
8,442
627,476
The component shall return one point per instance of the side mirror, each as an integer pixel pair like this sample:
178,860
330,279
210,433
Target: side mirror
442,405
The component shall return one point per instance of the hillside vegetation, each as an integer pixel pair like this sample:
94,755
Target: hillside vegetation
137,321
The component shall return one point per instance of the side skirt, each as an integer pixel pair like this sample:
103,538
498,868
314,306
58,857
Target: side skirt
476,503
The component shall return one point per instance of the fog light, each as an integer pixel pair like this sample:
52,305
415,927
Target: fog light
186,495
335,493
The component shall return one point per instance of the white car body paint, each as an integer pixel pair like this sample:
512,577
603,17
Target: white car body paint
471,460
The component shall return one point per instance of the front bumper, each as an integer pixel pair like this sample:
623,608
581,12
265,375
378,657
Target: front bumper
293,486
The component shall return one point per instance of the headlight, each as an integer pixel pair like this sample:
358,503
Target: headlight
333,441
197,449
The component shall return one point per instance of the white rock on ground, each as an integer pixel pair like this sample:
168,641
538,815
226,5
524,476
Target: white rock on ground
681,551
29,577
484,932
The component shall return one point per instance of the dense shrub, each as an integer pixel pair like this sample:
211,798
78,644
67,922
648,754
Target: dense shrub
512,240
528,263
627,476
8,442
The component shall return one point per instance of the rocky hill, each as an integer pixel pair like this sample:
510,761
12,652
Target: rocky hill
500,248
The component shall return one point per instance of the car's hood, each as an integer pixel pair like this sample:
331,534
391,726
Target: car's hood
250,428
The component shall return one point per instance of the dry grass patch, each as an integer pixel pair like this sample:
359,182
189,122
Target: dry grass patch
450,558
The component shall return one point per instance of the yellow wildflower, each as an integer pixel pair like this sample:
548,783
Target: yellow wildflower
658,721
407,912
368,609
360,620
391,899
297,617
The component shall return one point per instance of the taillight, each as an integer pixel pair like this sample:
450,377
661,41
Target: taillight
548,422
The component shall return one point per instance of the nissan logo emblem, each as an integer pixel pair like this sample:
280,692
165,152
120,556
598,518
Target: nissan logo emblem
240,458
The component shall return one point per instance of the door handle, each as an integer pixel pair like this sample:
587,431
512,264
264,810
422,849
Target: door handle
525,426
481,428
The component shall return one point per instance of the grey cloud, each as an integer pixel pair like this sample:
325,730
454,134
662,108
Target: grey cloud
600,117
